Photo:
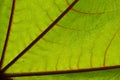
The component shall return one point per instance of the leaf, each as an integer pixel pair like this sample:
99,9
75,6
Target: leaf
85,39
97,75
4,21
33,30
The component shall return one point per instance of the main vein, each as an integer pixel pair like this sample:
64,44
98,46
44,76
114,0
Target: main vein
8,34
39,37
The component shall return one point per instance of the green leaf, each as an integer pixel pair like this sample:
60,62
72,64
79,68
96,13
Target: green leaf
86,38
4,20
97,75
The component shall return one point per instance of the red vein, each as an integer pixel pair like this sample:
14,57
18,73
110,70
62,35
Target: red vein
58,7
60,72
78,62
62,26
57,62
78,11
46,65
18,10
17,22
59,25
108,46
91,56
70,67
39,37
49,41
8,34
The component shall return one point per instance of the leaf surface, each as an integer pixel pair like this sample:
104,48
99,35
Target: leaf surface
85,38
98,75
4,21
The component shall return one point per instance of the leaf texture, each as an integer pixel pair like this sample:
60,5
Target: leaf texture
87,37
4,21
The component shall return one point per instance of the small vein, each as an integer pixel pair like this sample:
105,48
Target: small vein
108,46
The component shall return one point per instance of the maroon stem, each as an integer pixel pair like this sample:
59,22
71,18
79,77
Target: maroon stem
108,46
8,34
60,72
